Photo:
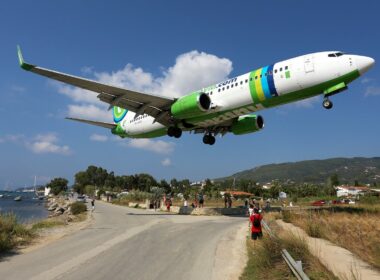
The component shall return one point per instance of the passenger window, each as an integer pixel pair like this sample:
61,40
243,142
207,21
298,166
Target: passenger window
275,70
232,85
286,67
250,79
241,82
255,77
261,76
280,69
219,90
236,84
246,80
223,88
228,87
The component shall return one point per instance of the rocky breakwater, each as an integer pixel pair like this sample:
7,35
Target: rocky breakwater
58,206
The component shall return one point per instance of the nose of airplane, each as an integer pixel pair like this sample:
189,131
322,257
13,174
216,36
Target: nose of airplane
364,63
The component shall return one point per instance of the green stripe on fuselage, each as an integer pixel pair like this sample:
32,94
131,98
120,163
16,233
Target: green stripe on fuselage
252,88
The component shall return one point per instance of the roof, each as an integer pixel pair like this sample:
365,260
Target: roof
239,193
356,188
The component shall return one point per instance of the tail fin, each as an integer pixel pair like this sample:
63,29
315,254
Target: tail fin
118,114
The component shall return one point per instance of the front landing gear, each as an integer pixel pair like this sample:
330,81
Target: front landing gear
174,132
209,139
327,104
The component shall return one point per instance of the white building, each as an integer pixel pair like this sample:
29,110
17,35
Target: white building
350,191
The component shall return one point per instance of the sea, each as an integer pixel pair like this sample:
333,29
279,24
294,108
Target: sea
27,210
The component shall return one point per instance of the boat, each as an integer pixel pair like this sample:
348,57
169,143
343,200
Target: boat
1,195
17,198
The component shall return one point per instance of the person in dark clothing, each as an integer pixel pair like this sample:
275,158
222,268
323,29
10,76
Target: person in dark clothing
225,201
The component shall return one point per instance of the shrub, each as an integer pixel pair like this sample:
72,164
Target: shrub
12,233
287,216
78,207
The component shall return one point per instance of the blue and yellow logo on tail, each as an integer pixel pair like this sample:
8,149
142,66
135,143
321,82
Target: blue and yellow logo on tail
119,114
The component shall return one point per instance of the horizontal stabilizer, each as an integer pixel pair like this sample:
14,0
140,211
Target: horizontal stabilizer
102,124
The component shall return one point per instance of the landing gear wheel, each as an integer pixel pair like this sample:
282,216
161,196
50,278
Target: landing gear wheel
174,132
209,139
177,132
327,104
171,131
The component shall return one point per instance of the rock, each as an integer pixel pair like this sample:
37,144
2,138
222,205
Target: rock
59,210
52,208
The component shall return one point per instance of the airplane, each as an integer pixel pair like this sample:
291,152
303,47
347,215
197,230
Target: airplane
228,106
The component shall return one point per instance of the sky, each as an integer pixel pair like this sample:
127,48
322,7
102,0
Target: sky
171,48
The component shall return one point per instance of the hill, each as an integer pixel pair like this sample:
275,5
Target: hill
365,170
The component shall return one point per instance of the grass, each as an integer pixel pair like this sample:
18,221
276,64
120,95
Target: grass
48,223
13,234
265,260
358,233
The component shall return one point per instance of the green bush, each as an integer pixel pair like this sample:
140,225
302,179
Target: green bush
12,233
78,207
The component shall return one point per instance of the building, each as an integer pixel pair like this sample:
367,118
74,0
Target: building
346,190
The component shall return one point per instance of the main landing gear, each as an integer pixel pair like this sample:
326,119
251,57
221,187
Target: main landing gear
174,131
209,139
327,104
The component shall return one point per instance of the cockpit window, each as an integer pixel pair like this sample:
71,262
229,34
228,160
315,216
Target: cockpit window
339,53
331,55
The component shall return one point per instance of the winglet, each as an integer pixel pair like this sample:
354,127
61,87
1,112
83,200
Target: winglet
21,61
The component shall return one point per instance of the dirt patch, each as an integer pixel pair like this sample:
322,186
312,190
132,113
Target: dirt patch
340,261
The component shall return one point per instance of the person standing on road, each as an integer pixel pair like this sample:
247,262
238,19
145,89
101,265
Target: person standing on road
255,220
93,204
201,200
229,202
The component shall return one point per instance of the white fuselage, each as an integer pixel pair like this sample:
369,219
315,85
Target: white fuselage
234,97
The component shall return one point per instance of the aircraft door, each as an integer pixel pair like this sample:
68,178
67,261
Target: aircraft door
309,64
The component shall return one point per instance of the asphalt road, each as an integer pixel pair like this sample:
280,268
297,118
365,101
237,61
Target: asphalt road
124,243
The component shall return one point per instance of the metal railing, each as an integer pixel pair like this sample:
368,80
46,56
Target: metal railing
295,266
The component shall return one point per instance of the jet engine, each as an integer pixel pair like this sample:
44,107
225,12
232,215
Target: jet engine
191,105
247,124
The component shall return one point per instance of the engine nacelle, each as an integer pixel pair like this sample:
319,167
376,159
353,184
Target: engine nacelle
191,105
247,124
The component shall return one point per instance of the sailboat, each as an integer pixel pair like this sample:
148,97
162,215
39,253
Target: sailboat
38,196
18,198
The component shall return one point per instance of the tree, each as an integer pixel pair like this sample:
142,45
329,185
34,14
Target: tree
58,185
333,180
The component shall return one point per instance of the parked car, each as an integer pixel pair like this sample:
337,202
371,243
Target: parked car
81,198
338,202
319,203
349,201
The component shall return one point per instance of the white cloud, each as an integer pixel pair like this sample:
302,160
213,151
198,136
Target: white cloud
90,111
17,88
372,91
366,80
307,103
98,138
191,71
166,162
156,146
47,143
39,144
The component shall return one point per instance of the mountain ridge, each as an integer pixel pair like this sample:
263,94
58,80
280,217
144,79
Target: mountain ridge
364,170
